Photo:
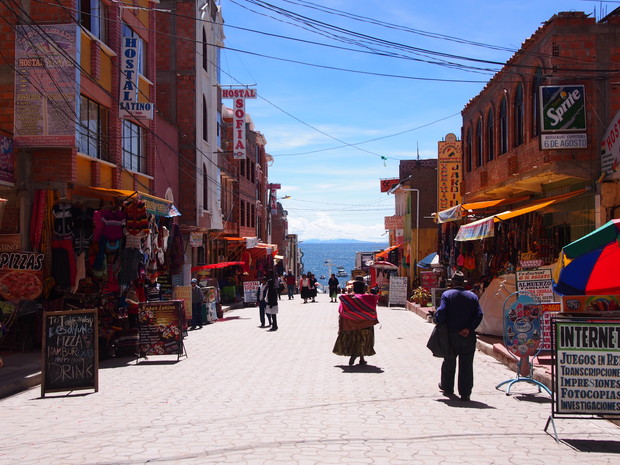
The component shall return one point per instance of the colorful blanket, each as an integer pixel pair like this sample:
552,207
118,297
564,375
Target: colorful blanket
359,307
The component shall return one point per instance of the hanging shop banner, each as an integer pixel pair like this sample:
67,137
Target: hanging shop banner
184,294
388,184
429,280
7,161
610,149
160,328
536,282
196,239
590,303
128,100
239,95
476,230
522,326
449,172
21,275
563,108
70,351
398,290
249,291
47,82
586,367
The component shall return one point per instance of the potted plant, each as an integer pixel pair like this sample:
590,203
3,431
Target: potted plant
421,296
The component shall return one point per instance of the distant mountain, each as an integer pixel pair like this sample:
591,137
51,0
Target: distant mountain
339,241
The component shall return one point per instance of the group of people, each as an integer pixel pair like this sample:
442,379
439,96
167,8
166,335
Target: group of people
267,296
459,310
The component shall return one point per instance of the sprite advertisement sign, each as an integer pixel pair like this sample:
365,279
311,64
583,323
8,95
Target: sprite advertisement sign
563,108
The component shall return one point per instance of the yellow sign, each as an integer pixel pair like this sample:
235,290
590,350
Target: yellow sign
449,173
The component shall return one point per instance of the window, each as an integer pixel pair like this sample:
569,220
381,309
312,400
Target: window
128,32
518,116
205,188
538,79
479,145
253,218
205,120
204,50
134,156
242,214
491,135
93,129
92,16
503,127
468,151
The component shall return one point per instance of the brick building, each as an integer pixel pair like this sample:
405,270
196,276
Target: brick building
507,150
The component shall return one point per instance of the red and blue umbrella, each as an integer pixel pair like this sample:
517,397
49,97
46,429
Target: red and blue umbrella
590,265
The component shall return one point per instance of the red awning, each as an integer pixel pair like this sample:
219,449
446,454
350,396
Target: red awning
216,265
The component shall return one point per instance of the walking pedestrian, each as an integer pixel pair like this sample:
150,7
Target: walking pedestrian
290,284
261,298
272,304
359,286
333,284
461,312
314,284
197,299
356,320
304,286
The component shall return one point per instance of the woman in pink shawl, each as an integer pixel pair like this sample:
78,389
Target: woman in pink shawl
356,321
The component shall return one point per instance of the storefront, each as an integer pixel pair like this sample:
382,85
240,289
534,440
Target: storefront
96,248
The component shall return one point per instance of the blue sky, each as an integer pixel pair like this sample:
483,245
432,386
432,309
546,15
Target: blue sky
338,114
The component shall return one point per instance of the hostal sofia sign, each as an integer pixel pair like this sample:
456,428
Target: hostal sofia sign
239,95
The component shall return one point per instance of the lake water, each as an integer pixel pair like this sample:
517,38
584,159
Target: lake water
340,254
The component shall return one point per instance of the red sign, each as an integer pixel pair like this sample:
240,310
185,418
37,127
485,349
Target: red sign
21,275
394,222
387,184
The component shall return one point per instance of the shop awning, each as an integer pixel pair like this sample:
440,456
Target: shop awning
384,252
456,213
485,227
216,266
154,205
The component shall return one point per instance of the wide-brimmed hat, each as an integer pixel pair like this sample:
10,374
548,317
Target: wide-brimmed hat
458,277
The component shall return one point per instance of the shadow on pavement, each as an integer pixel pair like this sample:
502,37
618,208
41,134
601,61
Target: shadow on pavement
593,445
360,369
533,398
456,402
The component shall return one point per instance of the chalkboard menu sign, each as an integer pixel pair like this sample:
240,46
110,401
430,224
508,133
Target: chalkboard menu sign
70,351
160,328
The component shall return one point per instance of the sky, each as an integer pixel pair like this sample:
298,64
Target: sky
348,88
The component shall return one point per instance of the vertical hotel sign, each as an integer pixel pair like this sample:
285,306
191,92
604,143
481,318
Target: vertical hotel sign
239,95
47,81
449,173
129,106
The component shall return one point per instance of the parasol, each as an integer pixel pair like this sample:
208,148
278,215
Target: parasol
430,261
589,266
381,265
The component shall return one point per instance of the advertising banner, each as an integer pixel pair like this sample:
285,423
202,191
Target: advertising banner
586,367
449,173
239,95
522,326
47,82
21,275
590,303
249,291
610,149
387,184
398,290
563,108
536,282
7,160
160,326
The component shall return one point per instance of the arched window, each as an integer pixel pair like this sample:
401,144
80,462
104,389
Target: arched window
204,50
518,116
503,127
205,188
536,83
490,135
468,151
479,144
205,120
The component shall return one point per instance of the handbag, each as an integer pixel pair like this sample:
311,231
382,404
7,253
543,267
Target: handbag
439,342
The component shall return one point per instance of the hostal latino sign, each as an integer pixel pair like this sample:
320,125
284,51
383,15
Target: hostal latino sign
239,95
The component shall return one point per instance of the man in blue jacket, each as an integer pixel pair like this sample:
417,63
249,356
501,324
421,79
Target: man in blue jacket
461,312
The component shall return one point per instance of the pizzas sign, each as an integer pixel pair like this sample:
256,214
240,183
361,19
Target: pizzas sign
21,275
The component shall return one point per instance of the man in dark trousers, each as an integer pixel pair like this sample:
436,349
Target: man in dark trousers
461,312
